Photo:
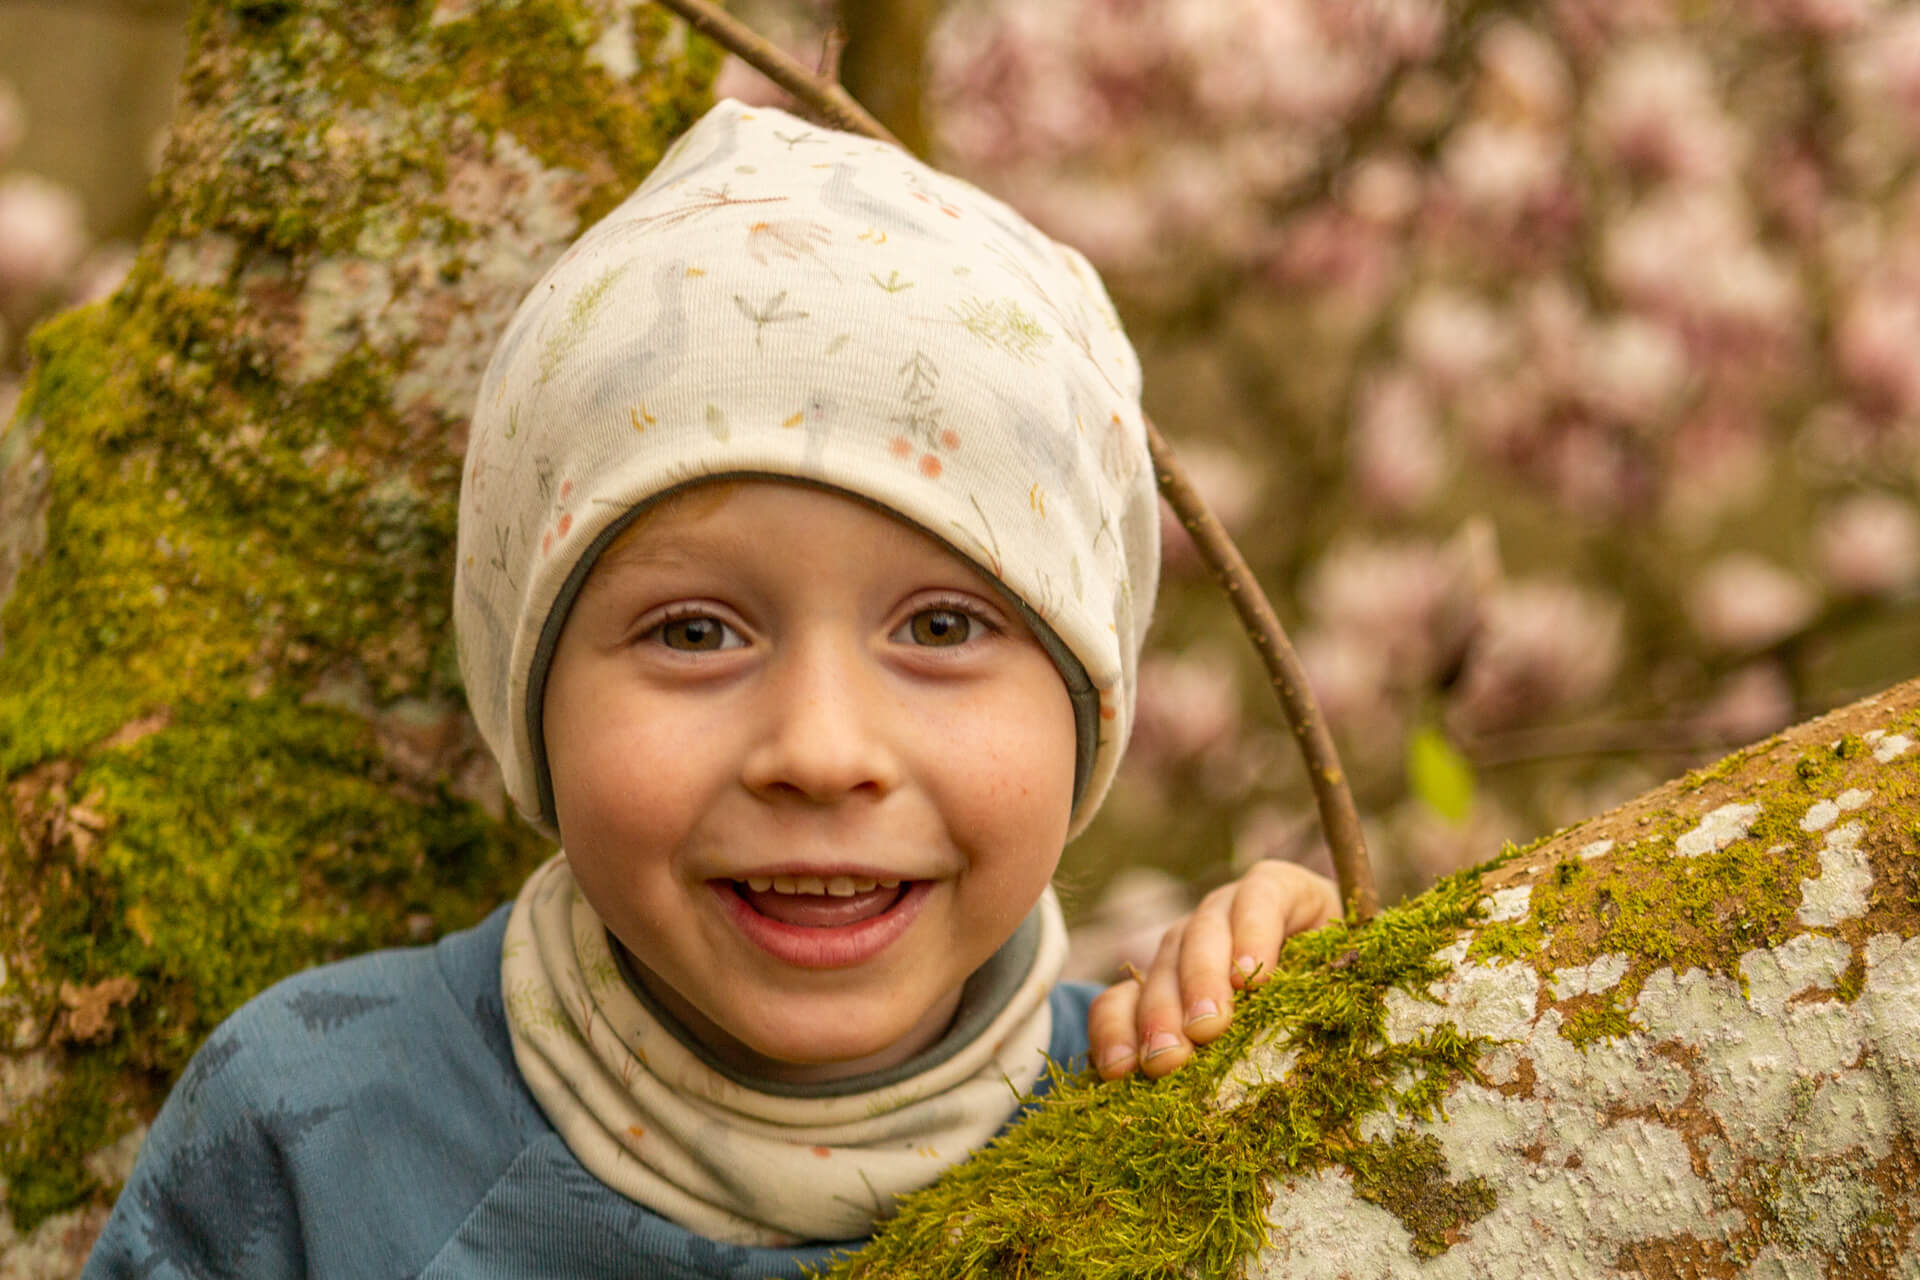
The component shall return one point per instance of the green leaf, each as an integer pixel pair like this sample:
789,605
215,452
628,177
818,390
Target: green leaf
1439,775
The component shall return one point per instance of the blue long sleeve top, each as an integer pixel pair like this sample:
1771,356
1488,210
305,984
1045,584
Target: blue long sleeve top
366,1119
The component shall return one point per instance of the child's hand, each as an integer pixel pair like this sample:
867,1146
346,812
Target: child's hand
1232,940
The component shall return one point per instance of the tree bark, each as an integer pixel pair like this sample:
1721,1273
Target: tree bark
1681,1039
884,63
231,730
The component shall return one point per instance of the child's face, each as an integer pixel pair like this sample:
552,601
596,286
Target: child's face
771,683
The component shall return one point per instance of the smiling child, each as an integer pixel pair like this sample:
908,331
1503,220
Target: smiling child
807,543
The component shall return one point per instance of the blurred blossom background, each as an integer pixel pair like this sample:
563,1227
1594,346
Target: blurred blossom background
1557,367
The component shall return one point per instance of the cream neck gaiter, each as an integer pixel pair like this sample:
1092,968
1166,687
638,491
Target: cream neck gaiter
663,1126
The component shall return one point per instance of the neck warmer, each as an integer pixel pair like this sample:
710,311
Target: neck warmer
664,1125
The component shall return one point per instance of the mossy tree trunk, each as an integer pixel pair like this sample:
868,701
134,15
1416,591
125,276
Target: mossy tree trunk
1681,1039
231,734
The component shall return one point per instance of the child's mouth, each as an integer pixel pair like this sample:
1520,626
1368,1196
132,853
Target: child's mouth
819,902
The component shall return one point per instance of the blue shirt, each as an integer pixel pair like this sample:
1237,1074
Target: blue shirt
366,1119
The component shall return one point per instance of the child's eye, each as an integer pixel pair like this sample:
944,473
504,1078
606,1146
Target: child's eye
941,627
696,634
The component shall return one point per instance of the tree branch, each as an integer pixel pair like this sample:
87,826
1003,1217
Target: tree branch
825,99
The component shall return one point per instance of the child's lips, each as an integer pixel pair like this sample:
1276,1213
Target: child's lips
819,910
822,931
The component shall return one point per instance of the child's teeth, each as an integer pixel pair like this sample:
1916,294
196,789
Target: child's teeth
835,886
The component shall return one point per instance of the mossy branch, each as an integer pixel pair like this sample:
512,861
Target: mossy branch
1339,817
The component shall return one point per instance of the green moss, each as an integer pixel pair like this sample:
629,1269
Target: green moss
1165,1181
253,568
1408,1178
83,1107
1591,1019
1504,940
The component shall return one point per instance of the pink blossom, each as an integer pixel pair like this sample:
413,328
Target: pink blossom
1751,703
1415,603
101,274
1499,169
1689,254
1383,189
1876,338
1632,370
42,237
1452,336
1354,683
1742,602
1187,705
1525,75
1654,112
1720,460
1869,545
1399,458
1543,645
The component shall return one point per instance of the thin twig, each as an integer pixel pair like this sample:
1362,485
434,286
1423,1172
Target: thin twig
1339,818
823,97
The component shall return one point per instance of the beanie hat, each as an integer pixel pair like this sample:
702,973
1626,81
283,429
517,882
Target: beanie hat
782,300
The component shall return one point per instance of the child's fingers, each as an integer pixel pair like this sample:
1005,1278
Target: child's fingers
1275,901
1110,1029
1163,1046
1206,959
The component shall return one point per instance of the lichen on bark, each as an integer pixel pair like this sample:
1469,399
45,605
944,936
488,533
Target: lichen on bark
1681,1039
231,731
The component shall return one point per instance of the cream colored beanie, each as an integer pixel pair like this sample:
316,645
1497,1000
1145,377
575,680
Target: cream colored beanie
782,300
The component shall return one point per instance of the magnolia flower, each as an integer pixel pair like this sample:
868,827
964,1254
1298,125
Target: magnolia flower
1654,111
1632,370
1868,545
42,238
1186,705
1543,645
1525,75
1499,169
1751,703
1742,602
1453,337
1689,253
1399,458
1875,341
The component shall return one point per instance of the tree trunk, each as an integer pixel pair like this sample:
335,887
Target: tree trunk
231,730
1681,1039
884,63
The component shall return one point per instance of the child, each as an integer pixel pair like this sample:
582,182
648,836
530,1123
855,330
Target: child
807,541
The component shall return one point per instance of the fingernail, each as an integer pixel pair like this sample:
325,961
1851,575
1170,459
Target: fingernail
1246,965
1201,1010
1116,1055
1161,1041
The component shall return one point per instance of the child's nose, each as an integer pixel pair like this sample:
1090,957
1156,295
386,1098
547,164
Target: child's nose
825,729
